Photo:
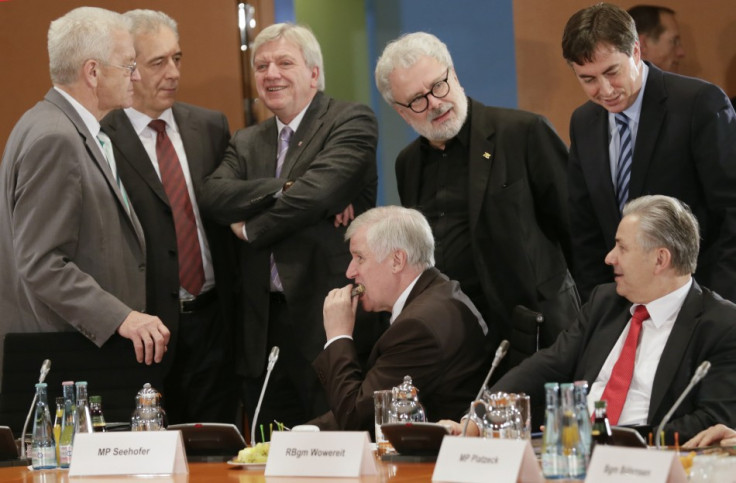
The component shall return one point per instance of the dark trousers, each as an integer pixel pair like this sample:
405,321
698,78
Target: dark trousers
294,395
200,385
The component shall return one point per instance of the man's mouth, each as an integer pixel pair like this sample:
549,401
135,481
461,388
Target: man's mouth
275,88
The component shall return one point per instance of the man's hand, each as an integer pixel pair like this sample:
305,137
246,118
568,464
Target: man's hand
339,312
456,429
149,335
237,228
345,217
718,433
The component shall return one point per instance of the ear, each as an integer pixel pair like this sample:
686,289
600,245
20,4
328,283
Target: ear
91,72
636,53
314,79
663,260
398,261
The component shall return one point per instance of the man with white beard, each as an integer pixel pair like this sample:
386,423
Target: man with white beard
492,184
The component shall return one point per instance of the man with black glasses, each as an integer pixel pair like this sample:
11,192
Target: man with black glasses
491,182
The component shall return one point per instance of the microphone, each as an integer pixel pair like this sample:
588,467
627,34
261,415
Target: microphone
503,348
272,358
700,373
45,367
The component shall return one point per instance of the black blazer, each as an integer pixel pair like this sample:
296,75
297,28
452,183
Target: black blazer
332,161
685,148
705,329
205,135
517,212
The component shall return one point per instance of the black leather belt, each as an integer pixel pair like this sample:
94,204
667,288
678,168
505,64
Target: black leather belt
278,298
190,305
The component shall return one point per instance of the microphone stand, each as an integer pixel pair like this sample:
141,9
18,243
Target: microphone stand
45,367
700,373
503,348
272,358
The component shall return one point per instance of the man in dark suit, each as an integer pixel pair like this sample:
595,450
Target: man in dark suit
683,325
198,382
280,186
491,182
683,135
659,36
72,251
436,334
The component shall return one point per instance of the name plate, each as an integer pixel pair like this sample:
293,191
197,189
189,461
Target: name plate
128,453
477,460
616,463
326,453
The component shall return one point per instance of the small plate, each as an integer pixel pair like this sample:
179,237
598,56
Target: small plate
248,466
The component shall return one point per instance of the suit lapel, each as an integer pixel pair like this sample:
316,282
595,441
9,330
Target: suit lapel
481,161
685,324
191,138
608,333
650,122
308,128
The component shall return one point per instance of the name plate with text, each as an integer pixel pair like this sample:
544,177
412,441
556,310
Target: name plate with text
477,460
326,453
614,463
128,453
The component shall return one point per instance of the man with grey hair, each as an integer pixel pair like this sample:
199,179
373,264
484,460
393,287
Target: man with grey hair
491,181
639,340
72,250
287,187
436,334
165,149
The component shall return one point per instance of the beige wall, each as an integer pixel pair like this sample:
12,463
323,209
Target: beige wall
211,72
546,84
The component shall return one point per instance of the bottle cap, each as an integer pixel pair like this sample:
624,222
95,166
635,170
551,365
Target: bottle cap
95,399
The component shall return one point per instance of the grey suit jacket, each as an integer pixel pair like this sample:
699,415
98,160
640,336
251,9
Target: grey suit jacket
71,255
685,148
517,212
705,329
437,340
332,161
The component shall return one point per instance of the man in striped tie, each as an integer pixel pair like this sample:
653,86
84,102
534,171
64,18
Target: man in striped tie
645,131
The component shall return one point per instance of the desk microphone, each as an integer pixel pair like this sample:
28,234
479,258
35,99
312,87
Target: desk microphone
503,348
45,367
700,373
272,358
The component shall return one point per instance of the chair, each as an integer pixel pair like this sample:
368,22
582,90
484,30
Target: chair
525,333
111,372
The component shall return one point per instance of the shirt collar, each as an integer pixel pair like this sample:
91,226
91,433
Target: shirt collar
140,120
294,124
668,306
89,120
401,301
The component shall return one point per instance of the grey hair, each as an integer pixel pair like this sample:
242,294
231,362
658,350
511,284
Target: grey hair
148,21
405,52
298,35
82,34
391,228
667,222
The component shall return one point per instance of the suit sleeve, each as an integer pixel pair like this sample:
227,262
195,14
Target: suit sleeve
47,213
714,150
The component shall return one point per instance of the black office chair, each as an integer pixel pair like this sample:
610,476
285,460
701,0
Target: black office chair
525,334
112,373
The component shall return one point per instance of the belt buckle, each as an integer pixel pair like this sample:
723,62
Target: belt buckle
182,305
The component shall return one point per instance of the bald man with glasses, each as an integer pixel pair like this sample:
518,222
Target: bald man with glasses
490,181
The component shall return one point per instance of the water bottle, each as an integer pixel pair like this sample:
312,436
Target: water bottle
553,464
58,416
95,409
573,449
583,416
68,421
601,430
43,449
83,424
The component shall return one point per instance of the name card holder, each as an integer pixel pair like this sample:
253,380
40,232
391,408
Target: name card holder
320,454
128,453
616,463
477,460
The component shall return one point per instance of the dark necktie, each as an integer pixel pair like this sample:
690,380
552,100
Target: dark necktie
618,385
284,137
625,154
191,271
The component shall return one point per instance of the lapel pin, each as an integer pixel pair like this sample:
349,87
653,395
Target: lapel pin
299,144
487,155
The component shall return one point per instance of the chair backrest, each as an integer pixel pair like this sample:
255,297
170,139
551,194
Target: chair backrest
111,372
524,338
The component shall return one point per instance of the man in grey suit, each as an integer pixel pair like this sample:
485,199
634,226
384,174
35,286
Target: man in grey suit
287,186
645,131
198,369
491,182
72,250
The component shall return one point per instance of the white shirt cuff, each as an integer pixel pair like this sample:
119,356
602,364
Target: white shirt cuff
336,338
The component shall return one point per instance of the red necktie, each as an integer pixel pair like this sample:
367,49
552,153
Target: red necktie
191,271
618,385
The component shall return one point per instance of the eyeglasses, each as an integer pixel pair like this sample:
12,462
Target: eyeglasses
439,90
130,68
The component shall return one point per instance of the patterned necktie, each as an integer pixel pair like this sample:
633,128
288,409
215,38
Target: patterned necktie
618,385
284,138
107,151
191,270
625,154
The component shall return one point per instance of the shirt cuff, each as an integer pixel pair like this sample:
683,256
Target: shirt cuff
245,234
336,338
